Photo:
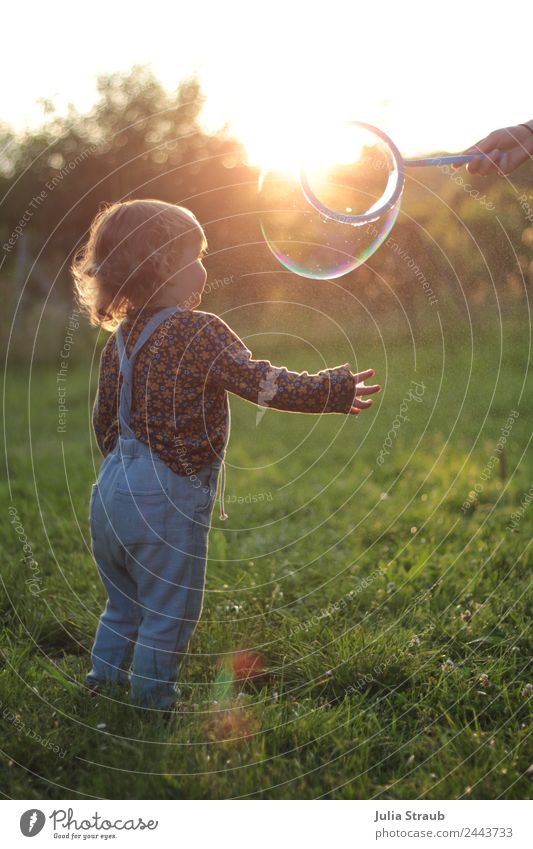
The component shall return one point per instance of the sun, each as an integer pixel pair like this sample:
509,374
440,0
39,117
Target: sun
301,145
282,146
280,135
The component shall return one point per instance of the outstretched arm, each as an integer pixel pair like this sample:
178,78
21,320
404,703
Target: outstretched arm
334,390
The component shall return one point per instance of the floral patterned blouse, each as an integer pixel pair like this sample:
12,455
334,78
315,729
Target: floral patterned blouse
179,404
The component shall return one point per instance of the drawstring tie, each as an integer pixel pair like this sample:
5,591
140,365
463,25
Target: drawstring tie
223,514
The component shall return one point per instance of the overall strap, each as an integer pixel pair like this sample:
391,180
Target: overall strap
126,366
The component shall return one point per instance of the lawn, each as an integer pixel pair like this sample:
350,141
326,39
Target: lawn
379,565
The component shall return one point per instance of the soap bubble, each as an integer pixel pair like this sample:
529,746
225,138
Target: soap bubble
354,173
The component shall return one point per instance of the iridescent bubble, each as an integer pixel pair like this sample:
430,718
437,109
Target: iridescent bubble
353,173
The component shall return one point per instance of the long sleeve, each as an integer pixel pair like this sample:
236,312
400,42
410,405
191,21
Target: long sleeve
104,415
328,391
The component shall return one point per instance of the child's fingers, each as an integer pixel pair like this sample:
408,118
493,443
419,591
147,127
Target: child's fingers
363,375
360,389
357,402
367,390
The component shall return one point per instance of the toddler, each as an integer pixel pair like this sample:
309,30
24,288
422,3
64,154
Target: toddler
161,420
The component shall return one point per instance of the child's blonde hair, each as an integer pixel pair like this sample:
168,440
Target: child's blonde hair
132,249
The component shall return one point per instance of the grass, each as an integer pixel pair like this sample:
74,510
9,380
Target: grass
355,581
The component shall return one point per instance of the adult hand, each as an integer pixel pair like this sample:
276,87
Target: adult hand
506,149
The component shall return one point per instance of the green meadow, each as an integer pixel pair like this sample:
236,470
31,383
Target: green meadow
378,565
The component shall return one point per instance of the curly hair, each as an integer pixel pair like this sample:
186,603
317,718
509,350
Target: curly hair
132,249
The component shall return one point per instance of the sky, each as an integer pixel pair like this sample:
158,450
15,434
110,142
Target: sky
434,76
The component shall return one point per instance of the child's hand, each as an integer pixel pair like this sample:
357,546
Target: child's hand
361,389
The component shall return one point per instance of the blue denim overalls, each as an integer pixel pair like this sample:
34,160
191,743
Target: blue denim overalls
149,533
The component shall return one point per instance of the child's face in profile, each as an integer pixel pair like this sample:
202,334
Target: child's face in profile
184,288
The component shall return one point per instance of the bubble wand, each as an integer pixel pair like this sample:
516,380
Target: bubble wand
395,184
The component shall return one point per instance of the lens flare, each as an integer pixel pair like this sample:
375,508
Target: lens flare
233,725
247,665
234,721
